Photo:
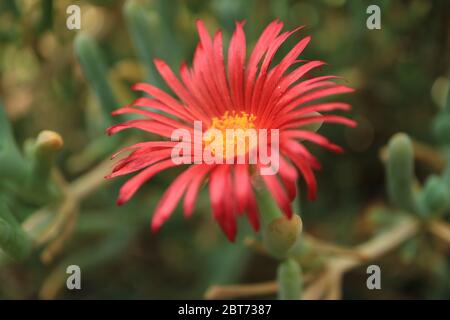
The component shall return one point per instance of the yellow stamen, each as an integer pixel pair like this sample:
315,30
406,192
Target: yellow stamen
240,125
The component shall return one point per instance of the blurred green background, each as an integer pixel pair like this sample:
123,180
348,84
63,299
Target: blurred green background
400,74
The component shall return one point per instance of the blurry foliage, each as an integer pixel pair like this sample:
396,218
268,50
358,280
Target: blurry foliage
55,79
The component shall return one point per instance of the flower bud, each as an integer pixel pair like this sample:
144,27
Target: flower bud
281,234
48,143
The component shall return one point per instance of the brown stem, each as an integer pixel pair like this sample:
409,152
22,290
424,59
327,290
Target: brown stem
91,181
441,230
245,290
328,248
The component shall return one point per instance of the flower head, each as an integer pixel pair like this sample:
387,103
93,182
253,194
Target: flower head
231,101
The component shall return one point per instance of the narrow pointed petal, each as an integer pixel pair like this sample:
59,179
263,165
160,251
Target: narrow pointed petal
315,138
172,196
132,185
289,177
236,61
193,189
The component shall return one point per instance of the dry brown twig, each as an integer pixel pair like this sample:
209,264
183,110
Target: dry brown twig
334,291
317,288
244,290
441,230
58,243
325,247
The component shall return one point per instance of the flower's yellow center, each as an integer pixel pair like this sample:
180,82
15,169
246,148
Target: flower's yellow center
233,133
234,120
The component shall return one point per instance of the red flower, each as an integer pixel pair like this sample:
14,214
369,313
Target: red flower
240,94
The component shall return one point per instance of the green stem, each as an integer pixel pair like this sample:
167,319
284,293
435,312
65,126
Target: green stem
289,280
95,70
268,207
141,30
13,240
12,164
46,21
39,187
400,172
